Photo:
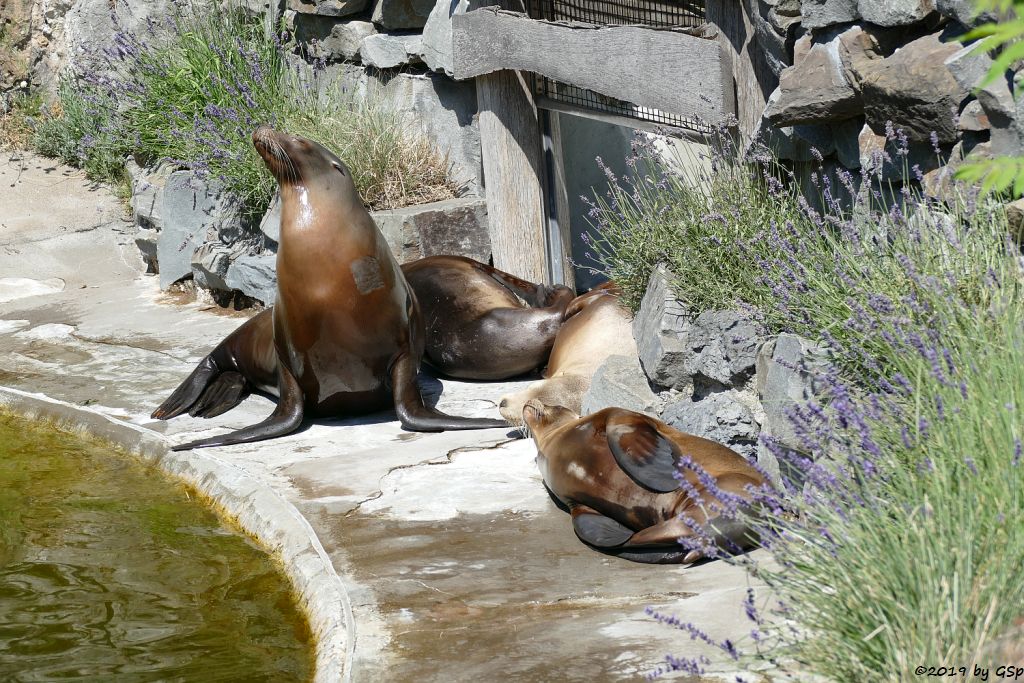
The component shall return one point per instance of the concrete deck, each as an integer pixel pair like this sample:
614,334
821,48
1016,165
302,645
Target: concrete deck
454,562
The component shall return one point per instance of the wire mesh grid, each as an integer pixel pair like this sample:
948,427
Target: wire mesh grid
661,13
656,13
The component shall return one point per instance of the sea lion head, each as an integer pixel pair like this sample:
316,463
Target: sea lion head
294,160
564,390
541,419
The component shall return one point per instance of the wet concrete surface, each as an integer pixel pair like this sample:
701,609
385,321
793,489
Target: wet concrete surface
458,565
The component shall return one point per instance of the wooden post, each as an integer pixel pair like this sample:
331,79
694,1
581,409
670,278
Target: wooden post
511,147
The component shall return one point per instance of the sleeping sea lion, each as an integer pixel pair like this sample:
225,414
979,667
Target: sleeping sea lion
345,335
596,326
616,471
477,326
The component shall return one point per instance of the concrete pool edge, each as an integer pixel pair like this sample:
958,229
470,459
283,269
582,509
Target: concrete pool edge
259,510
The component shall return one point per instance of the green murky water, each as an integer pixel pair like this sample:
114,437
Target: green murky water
109,572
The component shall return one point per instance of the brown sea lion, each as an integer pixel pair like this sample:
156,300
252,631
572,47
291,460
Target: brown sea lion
597,326
616,472
477,326
345,335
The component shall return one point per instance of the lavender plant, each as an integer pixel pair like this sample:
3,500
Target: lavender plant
192,90
892,538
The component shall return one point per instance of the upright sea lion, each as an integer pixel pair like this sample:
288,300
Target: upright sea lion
616,472
477,326
345,335
597,326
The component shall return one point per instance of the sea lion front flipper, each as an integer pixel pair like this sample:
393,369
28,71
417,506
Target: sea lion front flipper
189,391
642,452
225,392
417,417
595,529
286,418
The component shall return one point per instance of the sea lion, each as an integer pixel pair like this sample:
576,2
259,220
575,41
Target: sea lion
616,472
345,335
596,326
477,326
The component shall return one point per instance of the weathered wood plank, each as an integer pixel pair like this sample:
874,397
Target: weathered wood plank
669,70
510,142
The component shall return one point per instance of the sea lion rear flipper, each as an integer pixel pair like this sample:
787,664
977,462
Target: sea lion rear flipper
642,452
595,529
417,417
286,418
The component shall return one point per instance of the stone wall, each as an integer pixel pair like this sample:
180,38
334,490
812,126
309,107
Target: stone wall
849,71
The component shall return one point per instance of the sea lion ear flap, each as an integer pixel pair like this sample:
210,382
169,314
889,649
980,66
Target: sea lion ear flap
642,452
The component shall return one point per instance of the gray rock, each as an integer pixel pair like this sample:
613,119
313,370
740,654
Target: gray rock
789,372
660,329
446,112
968,67
328,8
796,143
814,90
620,382
254,275
973,118
210,264
845,136
270,224
453,226
915,91
147,195
1015,218
784,13
822,13
772,43
437,35
965,11
327,38
862,48
880,157
894,12
193,213
719,417
146,240
723,347
390,50
402,14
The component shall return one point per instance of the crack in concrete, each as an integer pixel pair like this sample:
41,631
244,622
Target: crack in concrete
446,459
126,345
64,230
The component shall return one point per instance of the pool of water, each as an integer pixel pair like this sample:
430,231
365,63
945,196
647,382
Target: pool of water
110,570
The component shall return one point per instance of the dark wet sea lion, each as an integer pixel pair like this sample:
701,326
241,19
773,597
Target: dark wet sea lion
597,326
477,326
346,332
614,470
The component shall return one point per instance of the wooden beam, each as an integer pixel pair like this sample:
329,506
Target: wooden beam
665,69
511,147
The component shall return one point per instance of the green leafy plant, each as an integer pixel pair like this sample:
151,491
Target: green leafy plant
1003,175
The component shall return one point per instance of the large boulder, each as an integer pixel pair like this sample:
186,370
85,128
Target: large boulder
328,8
391,50
437,35
965,11
686,352
915,91
790,372
821,13
194,212
211,262
453,226
894,12
815,89
722,416
445,111
329,39
660,328
402,14
620,382
254,275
